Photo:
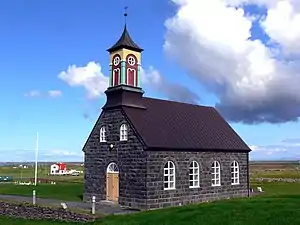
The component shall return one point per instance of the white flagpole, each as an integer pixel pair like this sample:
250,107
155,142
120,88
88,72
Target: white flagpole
36,158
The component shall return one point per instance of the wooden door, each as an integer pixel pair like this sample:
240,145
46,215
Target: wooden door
112,187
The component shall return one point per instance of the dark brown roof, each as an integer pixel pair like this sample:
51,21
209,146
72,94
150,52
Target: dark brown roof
125,41
174,126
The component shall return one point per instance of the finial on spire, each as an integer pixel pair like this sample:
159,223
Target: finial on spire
125,13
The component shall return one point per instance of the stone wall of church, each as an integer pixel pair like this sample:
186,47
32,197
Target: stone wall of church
158,197
128,155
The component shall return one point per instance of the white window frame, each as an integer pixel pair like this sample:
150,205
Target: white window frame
103,134
123,132
169,176
235,173
112,168
131,59
134,76
216,174
114,75
194,175
116,60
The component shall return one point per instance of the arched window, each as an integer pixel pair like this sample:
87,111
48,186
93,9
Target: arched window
103,134
235,176
123,132
216,174
131,77
194,175
112,168
116,76
169,176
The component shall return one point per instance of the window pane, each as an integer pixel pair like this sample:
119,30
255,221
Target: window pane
172,185
191,177
166,178
165,185
191,183
171,171
196,183
196,177
196,171
172,178
191,171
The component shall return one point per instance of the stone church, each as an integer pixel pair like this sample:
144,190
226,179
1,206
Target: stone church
148,153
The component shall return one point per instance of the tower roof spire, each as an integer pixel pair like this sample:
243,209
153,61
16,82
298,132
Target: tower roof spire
125,41
125,13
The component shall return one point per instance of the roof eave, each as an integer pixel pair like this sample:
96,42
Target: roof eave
116,48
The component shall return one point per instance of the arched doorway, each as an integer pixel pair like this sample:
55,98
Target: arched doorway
112,182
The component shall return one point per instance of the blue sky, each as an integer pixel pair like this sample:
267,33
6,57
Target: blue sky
40,39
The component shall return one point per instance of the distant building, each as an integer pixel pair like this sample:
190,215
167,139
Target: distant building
58,169
23,166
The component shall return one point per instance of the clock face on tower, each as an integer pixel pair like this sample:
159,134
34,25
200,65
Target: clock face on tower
117,60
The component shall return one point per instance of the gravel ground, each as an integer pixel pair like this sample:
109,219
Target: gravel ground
103,207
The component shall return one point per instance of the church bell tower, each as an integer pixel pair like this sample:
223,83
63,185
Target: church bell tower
125,62
125,72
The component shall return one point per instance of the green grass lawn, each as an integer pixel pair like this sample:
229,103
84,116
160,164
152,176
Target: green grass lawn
277,174
278,188
43,172
61,191
274,210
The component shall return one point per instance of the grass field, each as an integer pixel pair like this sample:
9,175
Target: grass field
24,174
275,170
62,191
279,204
263,210
69,188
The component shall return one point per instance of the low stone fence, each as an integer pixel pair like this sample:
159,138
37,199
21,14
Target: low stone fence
287,180
27,211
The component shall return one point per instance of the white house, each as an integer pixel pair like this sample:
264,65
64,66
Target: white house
58,169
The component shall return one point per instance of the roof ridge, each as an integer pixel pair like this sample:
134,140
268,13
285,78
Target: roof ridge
174,101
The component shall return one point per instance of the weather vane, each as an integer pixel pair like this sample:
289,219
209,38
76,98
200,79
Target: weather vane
125,13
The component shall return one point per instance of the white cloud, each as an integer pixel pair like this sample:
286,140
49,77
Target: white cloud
173,91
284,150
33,93
62,153
282,24
95,82
28,155
90,77
151,77
211,40
54,93
36,93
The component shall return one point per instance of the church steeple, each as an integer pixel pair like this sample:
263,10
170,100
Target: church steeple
125,41
125,61
125,73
